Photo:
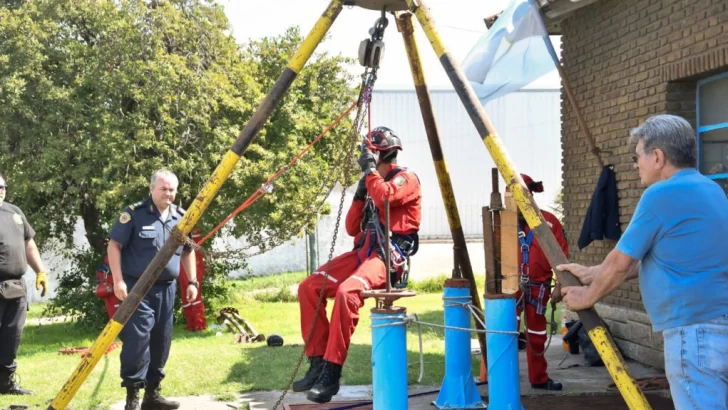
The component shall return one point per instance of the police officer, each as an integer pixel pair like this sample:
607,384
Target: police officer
135,238
17,250
363,268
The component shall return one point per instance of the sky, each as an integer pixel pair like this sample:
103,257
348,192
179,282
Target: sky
459,22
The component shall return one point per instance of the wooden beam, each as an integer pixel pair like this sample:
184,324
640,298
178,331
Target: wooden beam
490,273
509,245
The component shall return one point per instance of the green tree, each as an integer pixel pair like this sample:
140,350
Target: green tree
96,95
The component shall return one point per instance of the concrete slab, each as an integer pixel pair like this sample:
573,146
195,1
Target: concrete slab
563,367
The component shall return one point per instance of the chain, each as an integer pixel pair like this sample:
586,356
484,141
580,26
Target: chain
368,79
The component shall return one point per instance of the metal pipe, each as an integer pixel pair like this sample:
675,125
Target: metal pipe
604,344
504,387
197,208
387,251
458,387
405,26
389,358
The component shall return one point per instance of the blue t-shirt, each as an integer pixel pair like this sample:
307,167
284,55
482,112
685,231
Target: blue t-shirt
141,233
679,231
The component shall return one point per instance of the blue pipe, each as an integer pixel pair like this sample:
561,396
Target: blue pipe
458,386
504,389
389,359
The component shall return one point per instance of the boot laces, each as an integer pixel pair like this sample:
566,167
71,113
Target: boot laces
327,376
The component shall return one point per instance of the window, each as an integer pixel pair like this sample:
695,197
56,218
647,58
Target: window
713,128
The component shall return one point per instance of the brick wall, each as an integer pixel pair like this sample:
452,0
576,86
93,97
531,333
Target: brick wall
627,60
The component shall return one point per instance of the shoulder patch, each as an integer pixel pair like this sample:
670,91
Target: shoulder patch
399,180
124,217
132,206
18,219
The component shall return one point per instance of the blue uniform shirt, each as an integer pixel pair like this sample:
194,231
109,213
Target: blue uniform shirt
678,232
141,233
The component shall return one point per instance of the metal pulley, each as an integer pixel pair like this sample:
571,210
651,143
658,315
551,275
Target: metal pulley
371,50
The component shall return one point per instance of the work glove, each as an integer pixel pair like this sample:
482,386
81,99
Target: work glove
41,280
367,162
361,190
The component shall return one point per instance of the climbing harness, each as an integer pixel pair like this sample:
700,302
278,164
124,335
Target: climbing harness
402,246
527,297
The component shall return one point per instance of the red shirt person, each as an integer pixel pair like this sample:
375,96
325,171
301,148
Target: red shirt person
361,269
536,276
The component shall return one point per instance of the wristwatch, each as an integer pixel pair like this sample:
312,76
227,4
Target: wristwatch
194,283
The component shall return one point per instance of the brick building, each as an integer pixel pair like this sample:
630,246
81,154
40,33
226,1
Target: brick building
627,60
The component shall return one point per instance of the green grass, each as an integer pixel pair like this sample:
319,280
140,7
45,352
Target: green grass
252,283
203,363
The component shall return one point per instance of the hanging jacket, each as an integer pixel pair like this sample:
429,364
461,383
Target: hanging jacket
602,217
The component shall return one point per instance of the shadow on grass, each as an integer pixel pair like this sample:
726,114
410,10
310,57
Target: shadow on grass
265,368
38,338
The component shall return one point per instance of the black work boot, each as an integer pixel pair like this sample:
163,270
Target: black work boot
9,384
153,400
132,398
522,343
548,385
327,385
312,375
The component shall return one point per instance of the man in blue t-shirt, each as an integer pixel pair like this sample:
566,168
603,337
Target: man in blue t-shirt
674,245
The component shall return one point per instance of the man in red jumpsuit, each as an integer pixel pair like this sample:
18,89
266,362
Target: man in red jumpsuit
363,268
536,275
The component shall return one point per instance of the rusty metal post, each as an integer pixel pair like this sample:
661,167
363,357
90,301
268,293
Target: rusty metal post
404,24
496,206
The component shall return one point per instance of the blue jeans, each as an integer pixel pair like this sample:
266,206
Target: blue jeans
696,363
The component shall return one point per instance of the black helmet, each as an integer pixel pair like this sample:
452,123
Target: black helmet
384,139
275,340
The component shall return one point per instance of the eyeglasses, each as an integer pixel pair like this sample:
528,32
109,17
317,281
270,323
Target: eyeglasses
3,187
635,158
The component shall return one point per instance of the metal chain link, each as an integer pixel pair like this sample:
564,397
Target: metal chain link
368,79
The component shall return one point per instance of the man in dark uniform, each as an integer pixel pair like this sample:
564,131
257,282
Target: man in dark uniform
17,250
134,240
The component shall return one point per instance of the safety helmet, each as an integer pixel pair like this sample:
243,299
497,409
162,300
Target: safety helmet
275,340
386,142
533,186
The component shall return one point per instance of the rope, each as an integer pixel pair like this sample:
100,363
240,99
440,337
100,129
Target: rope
267,187
368,79
413,319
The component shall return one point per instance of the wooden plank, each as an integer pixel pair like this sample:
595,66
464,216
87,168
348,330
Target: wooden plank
509,245
490,273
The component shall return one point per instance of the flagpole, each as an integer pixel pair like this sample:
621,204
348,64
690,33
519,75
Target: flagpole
569,92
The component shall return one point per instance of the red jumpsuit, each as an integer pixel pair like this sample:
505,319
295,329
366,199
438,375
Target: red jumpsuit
358,270
539,271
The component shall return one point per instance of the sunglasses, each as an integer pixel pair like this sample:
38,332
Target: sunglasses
3,187
635,158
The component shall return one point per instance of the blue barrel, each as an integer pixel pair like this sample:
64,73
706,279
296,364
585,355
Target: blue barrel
389,359
504,389
458,386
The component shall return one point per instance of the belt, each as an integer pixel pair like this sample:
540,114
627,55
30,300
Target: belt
159,282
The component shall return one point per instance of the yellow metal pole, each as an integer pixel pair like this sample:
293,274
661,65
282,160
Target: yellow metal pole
198,207
604,344
404,24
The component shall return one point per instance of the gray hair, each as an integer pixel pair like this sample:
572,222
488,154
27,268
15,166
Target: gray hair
163,173
671,134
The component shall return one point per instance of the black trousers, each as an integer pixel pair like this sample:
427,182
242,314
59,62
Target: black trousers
12,319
